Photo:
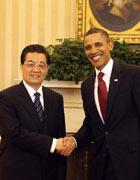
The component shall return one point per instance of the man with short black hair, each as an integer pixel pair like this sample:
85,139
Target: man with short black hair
111,101
32,124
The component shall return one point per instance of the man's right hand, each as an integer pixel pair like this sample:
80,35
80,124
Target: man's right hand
65,146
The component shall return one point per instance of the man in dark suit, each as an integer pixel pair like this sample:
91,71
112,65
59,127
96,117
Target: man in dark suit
30,132
116,132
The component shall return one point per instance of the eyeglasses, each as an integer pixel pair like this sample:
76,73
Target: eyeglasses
33,64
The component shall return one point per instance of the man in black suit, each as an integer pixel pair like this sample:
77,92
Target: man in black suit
30,132
116,132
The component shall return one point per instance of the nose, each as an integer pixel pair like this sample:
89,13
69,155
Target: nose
93,49
36,67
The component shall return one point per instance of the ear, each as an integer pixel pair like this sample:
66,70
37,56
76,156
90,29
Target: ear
47,69
21,66
110,45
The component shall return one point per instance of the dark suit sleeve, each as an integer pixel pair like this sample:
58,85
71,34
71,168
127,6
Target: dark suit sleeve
85,133
62,132
15,133
58,172
136,90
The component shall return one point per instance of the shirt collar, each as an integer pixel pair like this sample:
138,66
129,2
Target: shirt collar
107,69
31,91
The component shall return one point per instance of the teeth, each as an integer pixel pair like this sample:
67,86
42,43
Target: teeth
96,57
35,76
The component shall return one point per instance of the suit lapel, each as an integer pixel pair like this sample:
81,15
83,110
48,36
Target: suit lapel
113,87
91,99
47,102
27,103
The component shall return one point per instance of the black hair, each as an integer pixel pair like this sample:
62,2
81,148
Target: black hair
98,30
34,48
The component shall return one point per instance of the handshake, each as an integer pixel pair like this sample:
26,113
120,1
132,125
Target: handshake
65,146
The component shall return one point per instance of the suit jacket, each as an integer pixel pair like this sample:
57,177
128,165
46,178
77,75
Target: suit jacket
121,133
26,142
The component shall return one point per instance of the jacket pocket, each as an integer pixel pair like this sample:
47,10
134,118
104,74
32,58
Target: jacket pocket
2,147
134,147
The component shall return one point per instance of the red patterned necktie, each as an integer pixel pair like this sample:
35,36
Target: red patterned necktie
102,94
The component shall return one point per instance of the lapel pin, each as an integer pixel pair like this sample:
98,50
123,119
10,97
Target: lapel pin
115,80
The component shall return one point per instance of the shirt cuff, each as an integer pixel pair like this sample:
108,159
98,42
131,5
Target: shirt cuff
74,141
53,145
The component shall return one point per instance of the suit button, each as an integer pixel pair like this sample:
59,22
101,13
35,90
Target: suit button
106,133
107,146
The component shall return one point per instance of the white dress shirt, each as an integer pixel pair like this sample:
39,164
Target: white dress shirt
107,70
31,92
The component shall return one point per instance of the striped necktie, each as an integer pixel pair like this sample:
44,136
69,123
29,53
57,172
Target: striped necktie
38,106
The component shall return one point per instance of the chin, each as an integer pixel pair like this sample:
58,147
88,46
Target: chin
98,67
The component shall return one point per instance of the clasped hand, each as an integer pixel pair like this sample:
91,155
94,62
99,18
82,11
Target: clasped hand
65,146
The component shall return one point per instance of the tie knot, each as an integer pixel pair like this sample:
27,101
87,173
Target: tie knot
100,75
37,94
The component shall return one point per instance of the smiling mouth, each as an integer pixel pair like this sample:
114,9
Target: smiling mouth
95,58
35,76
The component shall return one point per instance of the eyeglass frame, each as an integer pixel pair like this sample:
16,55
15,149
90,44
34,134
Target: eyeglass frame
32,64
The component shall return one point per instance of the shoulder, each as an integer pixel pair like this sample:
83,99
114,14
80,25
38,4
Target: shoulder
12,90
10,94
127,67
51,92
90,79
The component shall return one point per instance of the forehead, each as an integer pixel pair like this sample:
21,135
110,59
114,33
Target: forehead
93,38
35,56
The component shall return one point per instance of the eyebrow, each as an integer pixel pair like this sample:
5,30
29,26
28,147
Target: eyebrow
95,44
36,61
98,43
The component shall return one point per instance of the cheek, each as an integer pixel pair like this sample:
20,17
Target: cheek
44,74
87,53
25,73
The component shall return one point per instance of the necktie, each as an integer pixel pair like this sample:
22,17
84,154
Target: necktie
38,106
102,94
